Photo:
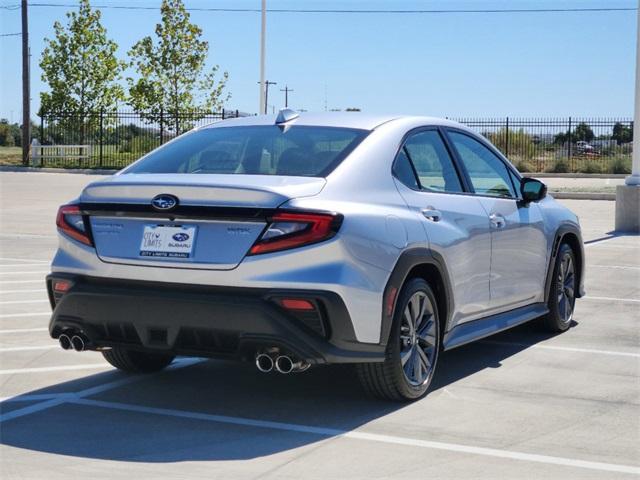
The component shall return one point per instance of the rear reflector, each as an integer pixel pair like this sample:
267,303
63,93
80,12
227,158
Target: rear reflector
297,304
61,286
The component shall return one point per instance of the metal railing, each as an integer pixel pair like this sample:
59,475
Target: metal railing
561,145
115,139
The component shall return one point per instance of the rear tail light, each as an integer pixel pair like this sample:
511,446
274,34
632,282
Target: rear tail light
71,222
296,229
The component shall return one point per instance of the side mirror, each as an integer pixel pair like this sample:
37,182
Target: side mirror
532,190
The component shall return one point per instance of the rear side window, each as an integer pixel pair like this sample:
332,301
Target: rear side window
431,162
254,150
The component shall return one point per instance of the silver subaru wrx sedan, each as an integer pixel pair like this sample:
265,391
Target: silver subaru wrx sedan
300,240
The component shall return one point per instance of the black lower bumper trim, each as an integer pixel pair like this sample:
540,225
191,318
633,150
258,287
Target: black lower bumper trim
204,321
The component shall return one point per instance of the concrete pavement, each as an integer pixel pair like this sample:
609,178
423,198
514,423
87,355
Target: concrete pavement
518,405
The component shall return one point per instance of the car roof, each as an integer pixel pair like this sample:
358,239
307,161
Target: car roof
359,120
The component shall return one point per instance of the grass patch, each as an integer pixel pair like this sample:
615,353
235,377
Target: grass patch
10,156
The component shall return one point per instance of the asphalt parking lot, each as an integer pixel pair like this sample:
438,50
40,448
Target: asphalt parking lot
518,405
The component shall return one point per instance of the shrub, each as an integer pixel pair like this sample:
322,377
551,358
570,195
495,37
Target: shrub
590,167
620,165
560,166
524,166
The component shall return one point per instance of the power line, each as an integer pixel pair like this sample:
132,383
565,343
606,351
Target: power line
351,11
10,34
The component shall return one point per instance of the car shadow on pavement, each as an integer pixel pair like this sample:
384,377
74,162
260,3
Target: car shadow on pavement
194,405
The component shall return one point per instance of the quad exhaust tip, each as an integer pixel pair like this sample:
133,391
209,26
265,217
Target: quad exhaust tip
65,342
78,343
285,364
264,362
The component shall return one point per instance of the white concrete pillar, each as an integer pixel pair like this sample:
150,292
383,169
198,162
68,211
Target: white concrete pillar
634,178
628,195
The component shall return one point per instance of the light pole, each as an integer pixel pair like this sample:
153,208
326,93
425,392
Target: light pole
628,195
262,107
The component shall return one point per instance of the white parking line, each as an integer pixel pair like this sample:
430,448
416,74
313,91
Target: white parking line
17,302
373,437
33,272
30,260
31,314
24,330
564,349
38,290
25,349
12,282
60,368
611,299
622,267
38,407
7,265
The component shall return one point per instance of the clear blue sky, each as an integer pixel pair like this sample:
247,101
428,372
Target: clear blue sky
498,64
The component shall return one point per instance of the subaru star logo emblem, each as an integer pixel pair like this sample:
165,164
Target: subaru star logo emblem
181,237
164,202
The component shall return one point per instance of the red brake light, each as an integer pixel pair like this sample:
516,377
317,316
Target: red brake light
296,229
71,222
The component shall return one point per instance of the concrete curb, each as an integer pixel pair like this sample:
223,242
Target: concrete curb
582,196
84,171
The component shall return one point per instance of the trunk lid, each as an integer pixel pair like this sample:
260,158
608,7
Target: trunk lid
217,220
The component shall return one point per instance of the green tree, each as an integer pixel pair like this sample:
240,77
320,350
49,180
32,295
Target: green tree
582,132
622,133
81,68
173,78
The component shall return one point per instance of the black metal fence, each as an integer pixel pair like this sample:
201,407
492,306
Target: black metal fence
560,145
115,139
110,139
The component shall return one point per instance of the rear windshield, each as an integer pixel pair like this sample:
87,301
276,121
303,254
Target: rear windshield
254,150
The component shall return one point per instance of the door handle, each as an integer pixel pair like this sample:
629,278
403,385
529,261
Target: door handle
431,214
497,220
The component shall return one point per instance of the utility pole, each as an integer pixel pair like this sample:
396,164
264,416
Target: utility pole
286,91
26,93
265,107
262,108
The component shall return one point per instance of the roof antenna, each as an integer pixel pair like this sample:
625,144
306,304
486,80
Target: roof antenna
286,115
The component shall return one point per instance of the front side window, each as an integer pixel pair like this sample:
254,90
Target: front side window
431,161
254,150
489,175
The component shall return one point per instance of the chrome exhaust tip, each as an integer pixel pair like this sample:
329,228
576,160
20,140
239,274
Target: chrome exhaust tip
284,364
65,342
264,362
78,343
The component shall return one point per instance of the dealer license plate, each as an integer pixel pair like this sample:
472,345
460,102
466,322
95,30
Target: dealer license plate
175,241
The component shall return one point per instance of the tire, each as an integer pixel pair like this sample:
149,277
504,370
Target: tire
132,361
393,379
562,297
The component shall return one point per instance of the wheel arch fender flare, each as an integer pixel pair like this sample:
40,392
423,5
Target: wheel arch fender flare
410,264
570,234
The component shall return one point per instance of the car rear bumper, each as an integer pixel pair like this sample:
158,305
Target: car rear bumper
206,321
